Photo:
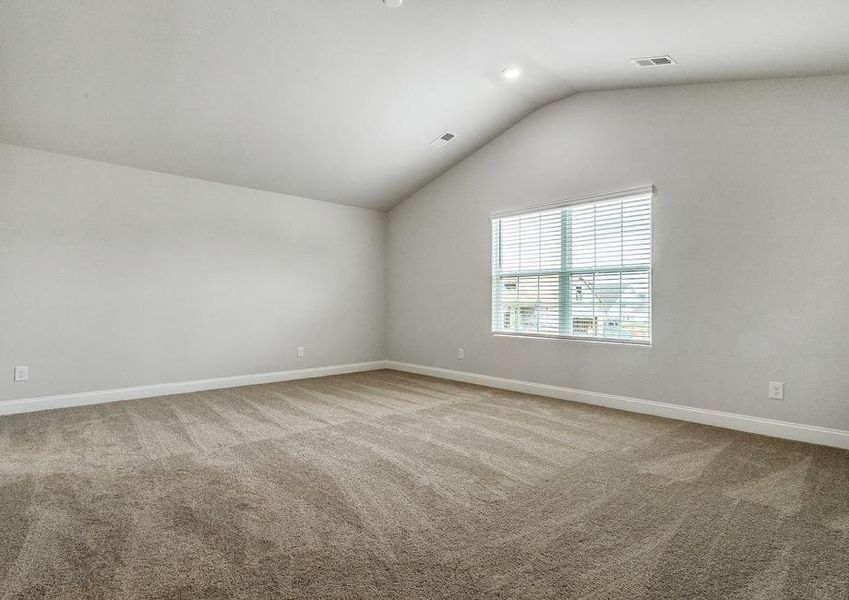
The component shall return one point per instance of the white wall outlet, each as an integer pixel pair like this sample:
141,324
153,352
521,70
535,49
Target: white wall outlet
776,390
21,373
300,351
461,354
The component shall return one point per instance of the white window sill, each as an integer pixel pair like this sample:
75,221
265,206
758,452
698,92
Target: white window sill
572,338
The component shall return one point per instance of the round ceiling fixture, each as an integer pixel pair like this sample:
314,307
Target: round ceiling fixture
393,3
511,72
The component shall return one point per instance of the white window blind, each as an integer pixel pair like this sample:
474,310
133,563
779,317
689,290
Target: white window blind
581,270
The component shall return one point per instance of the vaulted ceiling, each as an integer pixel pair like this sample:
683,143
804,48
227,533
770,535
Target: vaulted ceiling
338,100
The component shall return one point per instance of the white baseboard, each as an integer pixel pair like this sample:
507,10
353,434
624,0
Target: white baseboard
780,429
9,407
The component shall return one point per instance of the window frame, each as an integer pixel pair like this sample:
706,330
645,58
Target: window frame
566,274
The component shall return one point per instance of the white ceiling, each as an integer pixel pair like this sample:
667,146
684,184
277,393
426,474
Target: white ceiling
338,99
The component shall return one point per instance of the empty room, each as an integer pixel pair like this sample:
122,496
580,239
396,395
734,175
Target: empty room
424,299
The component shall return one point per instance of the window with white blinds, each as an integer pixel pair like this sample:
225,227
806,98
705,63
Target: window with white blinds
581,270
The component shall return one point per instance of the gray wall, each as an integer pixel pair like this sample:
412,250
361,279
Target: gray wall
751,246
114,277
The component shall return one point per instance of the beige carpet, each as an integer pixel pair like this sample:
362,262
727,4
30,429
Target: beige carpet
389,485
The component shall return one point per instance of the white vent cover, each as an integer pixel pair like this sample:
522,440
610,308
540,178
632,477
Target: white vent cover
443,140
653,61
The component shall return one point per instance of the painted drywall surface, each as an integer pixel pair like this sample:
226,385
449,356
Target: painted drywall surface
751,246
113,277
338,100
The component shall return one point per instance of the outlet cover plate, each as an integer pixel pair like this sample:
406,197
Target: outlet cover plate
776,390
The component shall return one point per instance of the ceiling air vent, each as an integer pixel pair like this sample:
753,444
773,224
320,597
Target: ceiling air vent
443,140
653,61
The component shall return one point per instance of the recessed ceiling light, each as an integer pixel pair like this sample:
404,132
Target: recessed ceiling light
393,3
511,72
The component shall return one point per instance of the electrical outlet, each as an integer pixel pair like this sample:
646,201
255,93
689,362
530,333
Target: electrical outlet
21,373
776,390
461,354
300,351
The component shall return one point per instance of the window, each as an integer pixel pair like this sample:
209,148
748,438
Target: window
580,270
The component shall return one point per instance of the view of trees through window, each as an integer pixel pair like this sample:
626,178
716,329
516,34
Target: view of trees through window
582,270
